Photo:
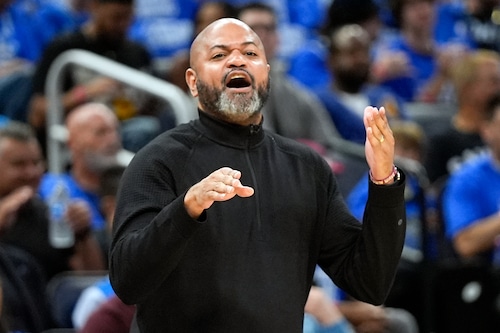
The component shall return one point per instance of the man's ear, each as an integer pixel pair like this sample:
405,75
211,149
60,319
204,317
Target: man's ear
191,79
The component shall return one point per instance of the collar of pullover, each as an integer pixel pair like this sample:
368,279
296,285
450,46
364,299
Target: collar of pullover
229,134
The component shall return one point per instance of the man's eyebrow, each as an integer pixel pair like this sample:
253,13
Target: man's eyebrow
225,47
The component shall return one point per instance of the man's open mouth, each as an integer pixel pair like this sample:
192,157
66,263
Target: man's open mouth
238,80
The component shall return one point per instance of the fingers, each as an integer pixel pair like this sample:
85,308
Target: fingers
220,185
377,126
222,182
379,147
226,181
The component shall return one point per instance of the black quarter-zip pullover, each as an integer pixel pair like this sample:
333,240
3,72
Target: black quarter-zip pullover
247,264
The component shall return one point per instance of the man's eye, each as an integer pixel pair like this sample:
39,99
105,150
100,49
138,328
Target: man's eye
218,55
251,53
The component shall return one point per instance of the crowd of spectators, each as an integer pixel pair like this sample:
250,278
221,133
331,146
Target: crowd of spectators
329,59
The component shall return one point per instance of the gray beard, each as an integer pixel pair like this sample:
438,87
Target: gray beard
239,105
100,162
235,108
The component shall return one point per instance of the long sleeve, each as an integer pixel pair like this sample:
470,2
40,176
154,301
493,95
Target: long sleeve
151,230
367,269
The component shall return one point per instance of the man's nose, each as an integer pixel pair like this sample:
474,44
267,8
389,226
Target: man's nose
236,59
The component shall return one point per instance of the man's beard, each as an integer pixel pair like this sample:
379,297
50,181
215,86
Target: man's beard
234,107
99,162
351,81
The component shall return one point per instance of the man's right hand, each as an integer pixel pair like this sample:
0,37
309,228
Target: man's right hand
220,185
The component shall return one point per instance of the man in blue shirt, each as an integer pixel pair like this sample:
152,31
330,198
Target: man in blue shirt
94,143
471,199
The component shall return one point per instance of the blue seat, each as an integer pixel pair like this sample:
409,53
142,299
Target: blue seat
63,291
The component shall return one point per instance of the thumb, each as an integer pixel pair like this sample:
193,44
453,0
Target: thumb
244,191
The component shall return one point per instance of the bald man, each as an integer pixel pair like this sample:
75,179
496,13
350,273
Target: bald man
219,223
93,144
93,141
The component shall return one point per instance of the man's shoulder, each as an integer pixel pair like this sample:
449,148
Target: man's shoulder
181,131
177,138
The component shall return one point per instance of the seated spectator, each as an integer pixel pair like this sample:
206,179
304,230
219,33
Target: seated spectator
23,219
350,63
105,34
471,199
291,110
24,223
425,78
475,78
93,144
309,65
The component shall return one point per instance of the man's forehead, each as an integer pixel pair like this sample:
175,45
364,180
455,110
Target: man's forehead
224,25
11,147
226,32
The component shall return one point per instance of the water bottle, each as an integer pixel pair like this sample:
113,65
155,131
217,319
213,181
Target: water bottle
60,233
